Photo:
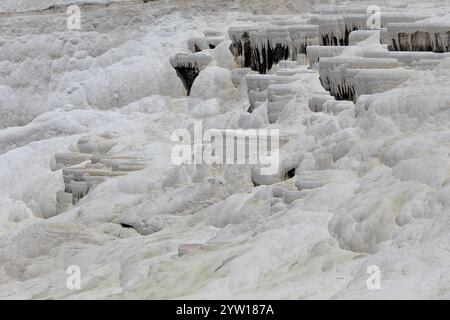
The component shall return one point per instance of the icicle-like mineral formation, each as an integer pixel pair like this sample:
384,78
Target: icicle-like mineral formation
371,81
335,30
259,47
419,36
336,79
189,65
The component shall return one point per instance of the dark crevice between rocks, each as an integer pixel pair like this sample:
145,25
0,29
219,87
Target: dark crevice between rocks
264,60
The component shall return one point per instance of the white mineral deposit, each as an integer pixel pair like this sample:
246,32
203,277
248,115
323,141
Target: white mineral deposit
94,96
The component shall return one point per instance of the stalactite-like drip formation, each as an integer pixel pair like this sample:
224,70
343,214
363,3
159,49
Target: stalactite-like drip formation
335,30
332,31
260,47
189,65
419,36
372,81
346,75
334,76
240,46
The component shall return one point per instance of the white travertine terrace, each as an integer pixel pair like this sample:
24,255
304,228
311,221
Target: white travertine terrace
371,81
257,85
279,95
360,35
348,67
334,30
90,166
334,76
261,46
314,53
87,119
346,74
407,57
